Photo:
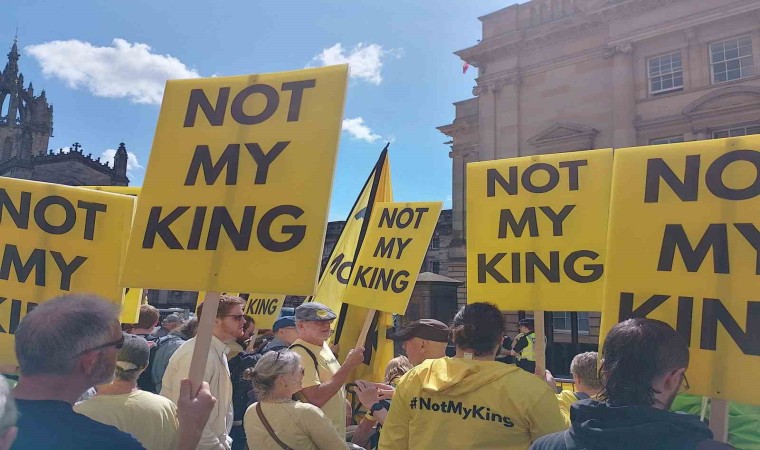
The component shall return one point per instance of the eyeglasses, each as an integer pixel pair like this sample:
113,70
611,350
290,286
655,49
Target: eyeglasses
237,317
684,385
119,343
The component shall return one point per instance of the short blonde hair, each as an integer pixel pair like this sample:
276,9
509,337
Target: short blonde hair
397,367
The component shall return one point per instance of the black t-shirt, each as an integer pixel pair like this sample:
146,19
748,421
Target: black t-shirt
54,424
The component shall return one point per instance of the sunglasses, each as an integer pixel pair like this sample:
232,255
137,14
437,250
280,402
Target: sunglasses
237,317
118,343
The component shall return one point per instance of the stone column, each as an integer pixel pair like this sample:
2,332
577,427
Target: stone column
623,95
486,121
507,97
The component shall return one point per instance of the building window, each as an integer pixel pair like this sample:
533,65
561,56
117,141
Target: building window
736,131
435,242
665,73
435,267
666,140
562,322
731,59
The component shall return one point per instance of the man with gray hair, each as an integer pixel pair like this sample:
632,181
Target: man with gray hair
64,347
150,418
8,416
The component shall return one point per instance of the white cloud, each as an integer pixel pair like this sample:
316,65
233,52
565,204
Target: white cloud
447,202
365,61
123,70
132,162
358,130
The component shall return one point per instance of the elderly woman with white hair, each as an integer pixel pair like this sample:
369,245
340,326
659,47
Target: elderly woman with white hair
277,421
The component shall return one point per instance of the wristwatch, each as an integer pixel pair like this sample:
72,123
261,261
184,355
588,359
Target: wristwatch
377,407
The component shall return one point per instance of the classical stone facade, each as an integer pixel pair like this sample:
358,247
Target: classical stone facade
564,75
26,125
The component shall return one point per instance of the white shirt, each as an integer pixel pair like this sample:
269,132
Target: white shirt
216,434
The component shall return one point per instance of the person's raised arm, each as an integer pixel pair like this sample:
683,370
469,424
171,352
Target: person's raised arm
320,393
193,412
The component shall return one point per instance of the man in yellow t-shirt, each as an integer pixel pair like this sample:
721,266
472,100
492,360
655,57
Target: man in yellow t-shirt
324,377
150,418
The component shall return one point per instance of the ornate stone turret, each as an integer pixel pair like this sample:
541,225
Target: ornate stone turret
120,160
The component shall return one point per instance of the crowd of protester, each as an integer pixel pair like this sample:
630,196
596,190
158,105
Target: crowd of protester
87,384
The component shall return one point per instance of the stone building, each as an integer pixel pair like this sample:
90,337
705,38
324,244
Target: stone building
26,125
564,75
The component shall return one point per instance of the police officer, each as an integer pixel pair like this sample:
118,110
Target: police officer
523,347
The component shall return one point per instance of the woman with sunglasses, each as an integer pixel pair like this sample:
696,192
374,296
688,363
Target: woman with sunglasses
277,421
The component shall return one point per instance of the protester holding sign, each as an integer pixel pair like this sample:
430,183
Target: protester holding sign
644,364
470,401
324,377
228,325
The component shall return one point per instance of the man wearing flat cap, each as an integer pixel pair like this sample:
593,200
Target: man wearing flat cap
423,339
323,377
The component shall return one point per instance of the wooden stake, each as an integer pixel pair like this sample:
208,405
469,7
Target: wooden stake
365,329
252,341
719,419
203,340
539,348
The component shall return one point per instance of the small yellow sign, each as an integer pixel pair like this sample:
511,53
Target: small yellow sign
264,309
391,255
56,240
238,185
130,307
684,248
537,231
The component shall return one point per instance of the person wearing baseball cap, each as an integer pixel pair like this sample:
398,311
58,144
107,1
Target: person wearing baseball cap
423,339
285,334
170,323
324,377
150,418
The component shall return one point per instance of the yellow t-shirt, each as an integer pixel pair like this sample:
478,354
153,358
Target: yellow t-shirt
335,408
299,425
150,418
469,404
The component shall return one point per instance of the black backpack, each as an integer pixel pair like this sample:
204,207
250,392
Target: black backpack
145,381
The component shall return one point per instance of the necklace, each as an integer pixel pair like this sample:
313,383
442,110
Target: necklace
282,401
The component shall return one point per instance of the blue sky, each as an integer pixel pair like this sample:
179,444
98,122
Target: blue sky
404,75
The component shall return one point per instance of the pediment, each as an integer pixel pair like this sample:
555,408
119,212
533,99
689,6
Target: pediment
726,99
562,131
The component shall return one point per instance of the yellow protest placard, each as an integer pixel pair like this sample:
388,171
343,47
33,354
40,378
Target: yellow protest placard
684,248
536,231
130,307
264,309
238,185
391,255
56,240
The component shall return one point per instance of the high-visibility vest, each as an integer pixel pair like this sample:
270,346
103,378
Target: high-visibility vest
528,352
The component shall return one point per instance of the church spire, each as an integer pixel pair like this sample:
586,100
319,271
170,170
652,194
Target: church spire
120,160
13,56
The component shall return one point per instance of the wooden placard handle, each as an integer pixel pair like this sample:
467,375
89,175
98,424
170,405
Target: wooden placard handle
539,347
203,340
719,419
252,341
365,329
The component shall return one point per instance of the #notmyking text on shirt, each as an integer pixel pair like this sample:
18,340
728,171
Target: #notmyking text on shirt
451,407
